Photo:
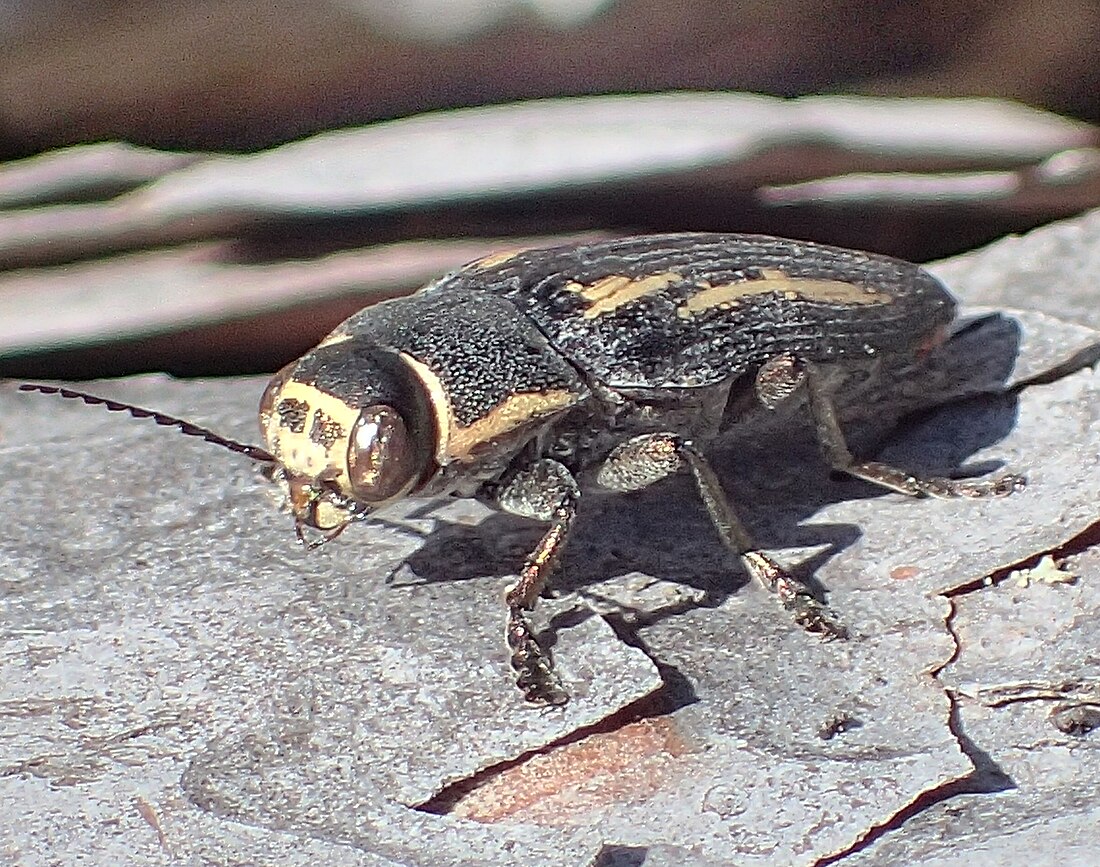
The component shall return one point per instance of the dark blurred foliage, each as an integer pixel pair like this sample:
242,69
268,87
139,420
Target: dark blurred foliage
116,259
244,74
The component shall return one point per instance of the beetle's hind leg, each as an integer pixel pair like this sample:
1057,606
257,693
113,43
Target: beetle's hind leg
645,459
545,491
836,452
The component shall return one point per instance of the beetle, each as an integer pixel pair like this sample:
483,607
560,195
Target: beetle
528,376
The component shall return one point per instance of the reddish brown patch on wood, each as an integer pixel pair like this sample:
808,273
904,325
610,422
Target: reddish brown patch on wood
562,786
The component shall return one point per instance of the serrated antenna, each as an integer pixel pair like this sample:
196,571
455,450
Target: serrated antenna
186,427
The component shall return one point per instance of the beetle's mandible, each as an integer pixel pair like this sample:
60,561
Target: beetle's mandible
526,377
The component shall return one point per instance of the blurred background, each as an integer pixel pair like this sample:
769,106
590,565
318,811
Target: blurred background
152,216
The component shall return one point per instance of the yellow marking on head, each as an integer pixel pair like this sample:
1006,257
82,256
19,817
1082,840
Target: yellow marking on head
792,288
297,452
515,412
493,259
612,292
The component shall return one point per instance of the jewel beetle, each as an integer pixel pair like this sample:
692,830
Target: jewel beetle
526,377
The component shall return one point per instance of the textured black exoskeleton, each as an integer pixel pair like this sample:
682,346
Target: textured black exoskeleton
524,377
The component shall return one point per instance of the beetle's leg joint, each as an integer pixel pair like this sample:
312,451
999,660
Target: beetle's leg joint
778,379
796,595
640,462
643,460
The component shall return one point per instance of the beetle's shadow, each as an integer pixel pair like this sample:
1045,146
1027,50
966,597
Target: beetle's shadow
929,420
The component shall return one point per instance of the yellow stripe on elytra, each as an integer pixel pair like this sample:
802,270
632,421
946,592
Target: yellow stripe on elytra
793,288
612,292
336,336
493,259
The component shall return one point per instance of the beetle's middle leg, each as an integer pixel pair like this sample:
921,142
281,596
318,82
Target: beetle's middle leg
545,491
782,375
643,460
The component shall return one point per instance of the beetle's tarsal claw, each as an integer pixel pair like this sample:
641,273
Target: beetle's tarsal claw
795,595
535,675
936,486
814,617
1001,486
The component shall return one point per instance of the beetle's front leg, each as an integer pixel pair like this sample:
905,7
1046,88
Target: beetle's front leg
544,491
643,460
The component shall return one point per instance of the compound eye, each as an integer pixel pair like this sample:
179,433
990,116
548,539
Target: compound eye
274,387
382,458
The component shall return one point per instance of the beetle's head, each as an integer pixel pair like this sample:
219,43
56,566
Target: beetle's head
351,429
